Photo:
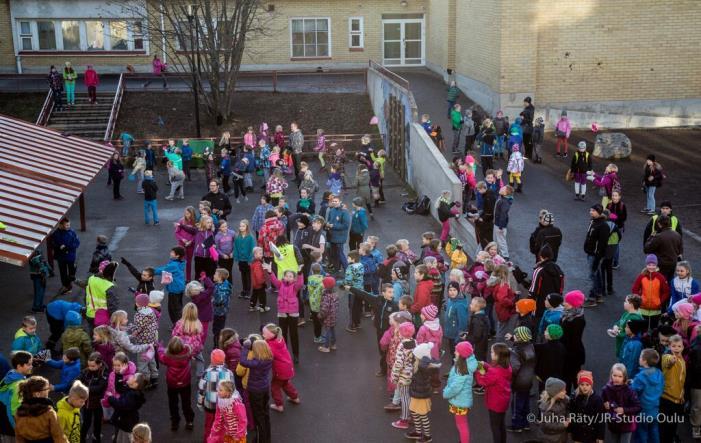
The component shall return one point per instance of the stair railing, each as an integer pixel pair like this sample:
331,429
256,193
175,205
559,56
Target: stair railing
46,110
116,104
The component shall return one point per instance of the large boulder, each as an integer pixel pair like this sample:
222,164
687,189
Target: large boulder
612,145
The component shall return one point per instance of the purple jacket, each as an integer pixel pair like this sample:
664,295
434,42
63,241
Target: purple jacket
606,181
203,300
621,396
200,237
259,374
225,242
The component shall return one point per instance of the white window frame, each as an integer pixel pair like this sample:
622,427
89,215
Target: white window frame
360,32
82,23
58,35
330,45
22,36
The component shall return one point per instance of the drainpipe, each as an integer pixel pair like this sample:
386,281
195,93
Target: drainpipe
163,36
19,63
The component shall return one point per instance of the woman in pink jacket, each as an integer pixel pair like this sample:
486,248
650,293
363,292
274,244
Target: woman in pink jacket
283,369
562,132
91,81
288,305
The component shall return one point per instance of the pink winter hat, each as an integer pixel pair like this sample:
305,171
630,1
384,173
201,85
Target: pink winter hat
429,312
464,349
696,298
470,160
407,329
217,357
575,298
684,310
141,300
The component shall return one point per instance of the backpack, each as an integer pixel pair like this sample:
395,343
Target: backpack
617,187
423,206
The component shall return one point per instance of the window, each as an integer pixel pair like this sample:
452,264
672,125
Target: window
355,32
25,35
95,32
183,36
47,35
137,33
310,37
118,36
71,35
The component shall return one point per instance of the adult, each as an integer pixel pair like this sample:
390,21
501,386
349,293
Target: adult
573,324
527,117
91,81
452,98
547,279
243,255
219,201
484,223
158,68
666,244
665,209
177,182
359,224
338,224
69,78
224,244
297,144
101,299
116,173
65,244
185,237
652,179
56,86
545,234
456,122
595,245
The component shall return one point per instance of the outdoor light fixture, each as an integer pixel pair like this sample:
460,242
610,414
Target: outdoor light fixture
403,3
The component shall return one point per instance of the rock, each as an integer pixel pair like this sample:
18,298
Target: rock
612,145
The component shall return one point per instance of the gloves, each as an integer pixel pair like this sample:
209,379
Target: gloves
590,178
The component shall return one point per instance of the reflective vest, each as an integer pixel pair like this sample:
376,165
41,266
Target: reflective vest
672,218
96,295
287,261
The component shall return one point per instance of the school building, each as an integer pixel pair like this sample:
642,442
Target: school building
620,63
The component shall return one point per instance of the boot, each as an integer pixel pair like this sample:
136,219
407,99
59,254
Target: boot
518,188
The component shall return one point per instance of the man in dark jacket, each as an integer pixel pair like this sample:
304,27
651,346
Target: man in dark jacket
665,209
527,117
150,198
338,224
484,224
666,244
65,244
595,245
548,278
546,234
523,363
221,205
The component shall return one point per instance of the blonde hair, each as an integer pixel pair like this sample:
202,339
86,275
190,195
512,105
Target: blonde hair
401,242
117,317
202,225
622,368
248,225
141,433
190,322
275,329
257,249
193,288
29,320
501,273
222,272
612,167
79,390
261,350
228,385
686,265
458,274
103,333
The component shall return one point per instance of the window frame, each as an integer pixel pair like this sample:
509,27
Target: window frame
360,33
22,36
56,36
329,39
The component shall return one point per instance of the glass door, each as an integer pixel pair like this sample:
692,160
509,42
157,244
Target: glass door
413,43
392,32
403,42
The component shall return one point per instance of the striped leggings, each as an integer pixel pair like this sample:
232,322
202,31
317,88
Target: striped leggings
421,424
404,400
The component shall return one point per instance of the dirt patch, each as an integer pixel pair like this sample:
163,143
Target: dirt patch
161,115
675,149
25,106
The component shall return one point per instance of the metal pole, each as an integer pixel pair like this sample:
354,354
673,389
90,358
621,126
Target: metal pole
191,19
81,206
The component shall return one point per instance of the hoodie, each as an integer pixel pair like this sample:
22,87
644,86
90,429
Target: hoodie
431,332
58,309
69,420
69,372
551,316
75,336
648,384
630,354
9,396
283,369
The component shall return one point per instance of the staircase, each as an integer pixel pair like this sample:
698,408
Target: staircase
84,119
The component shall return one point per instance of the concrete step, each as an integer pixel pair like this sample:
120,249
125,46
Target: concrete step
79,119
72,111
78,126
102,106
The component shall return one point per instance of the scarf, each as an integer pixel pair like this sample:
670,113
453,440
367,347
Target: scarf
571,314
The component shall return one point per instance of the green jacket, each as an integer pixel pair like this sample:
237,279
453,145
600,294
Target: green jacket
9,393
76,337
176,159
453,93
456,119
69,77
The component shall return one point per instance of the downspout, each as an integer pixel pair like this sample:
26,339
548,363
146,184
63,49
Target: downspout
163,36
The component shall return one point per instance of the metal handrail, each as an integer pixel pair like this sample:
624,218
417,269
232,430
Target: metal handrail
116,104
398,79
46,109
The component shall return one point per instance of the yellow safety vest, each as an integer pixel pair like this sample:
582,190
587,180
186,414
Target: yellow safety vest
288,261
96,295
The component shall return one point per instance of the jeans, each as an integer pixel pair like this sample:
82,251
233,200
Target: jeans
39,289
58,99
520,406
125,148
647,432
329,335
152,207
650,197
70,92
597,281
140,182
66,270
183,393
92,93
337,258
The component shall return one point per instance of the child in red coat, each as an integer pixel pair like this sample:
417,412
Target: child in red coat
178,380
283,369
422,292
653,289
495,377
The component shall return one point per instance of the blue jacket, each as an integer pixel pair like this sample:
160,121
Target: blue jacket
221,298
487,150
501,211
26,342
177,268
458,390
550,317
69,372
225,167
66,238
59,308
4,366
455,317
243,248
186,152
341,220
630,354
359,223
649,386
675,295
73,319
369,271
251,156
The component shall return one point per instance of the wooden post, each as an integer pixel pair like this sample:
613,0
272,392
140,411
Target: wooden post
81,205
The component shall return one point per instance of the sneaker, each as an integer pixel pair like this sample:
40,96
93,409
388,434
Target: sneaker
479,390
391,407
413,435
295,400
168,197
323,349
245,197
367,315
644,211
600,299
564,155
333,347
266,309
351,329
252,309
189,426
400,424
156,223
514,429
590,303
275,407
319,340
426,439
174,426
301,322
616,267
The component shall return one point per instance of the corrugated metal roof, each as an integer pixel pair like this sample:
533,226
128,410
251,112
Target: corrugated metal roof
42,173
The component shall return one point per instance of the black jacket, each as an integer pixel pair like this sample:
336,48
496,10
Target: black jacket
550,235
573,329
527,114
97,385
478,335
145,287
444,211
523,366
126,409
656,175
587,406
489,200
581,162
548,278
666,245
100,254
219,201
550,359
421,381
693,369
597,238
150,189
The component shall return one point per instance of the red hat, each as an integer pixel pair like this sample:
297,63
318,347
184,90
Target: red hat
217,357
585,377
141,300
328,282
575,299
407,329
430,312
464,349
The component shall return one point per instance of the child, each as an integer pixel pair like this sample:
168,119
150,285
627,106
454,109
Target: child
581,164
672,401
501,219
620,403
21,363
283,369
220,301
320,147
400,286
383,307
230,421
258,283
653,290
456,255
201,295
648,385
550,356
122,370
537,139
315,288
288,305
144,278
231,345
446,209
354,281
328,311
458,390
552,314
126,407
455,316
94,377
478,328
100,254
495,378
431,332
403,371
515,168
631,306
335,181
70,369
102,342
504,301
176,269
145,332
75,336
257,357
632,345
562,132
683,285
39,271
26,338
207,386
554,420
178,380
424,368
586,407
523,363
69,411
189,329
141,433
36,418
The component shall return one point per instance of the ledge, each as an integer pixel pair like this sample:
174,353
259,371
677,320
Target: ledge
303,59
83,53
356,49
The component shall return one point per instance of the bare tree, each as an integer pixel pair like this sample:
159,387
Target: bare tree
219,29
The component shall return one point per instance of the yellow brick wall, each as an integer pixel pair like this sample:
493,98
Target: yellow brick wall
518,47
478,41
7,53
592,50
437,45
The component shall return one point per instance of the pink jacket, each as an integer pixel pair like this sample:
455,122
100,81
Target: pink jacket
287,302
431,332
194,341
497,383
249,139
91,78
564,125
158,66
182,235
112,382
283,369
